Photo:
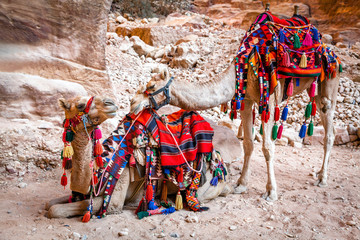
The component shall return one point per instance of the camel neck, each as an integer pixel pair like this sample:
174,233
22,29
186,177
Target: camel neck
200,96
80,174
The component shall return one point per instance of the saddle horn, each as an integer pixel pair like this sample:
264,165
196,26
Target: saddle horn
296,10
267,7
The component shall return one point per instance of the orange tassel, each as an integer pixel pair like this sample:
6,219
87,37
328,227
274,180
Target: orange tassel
86,217
149,193
99,161
95,178
98,150
180,177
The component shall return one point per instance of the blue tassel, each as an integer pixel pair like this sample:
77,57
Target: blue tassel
297,81
315,34
152,205
302,131
284,113
281,36
238,104
168,210
166,171
214,181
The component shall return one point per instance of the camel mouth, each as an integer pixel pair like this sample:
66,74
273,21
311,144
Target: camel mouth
111,113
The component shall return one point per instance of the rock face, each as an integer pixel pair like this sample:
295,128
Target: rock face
55,40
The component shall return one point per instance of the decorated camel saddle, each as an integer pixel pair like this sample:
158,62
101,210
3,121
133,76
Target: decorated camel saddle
282,48
165,150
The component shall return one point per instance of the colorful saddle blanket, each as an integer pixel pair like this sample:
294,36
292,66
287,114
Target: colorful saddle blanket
275,48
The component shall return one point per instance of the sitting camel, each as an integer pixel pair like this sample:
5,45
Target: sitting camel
100,110
220,90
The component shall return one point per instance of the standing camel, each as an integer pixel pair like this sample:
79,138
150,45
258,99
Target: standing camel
220,90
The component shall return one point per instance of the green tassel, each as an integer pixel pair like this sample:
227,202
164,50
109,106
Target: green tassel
142,214
297,43
274,132
69,136
253,130
310,129
62,154
261,129
340,68
308,110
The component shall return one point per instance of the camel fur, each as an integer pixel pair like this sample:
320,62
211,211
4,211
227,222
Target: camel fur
200,96
102,109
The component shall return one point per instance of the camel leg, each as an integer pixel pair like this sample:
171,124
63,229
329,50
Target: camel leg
73,209
248,145
326,102
60,200
119,194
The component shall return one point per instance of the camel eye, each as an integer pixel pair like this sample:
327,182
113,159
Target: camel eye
81,106
151,87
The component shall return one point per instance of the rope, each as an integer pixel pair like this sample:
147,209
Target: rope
182,154
102,175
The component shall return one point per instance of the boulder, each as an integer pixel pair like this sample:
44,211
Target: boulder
341,136
351,129
33,97
140,47
186,56
327,38
358,132
188,38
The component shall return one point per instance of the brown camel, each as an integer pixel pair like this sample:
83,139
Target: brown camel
195,96
100,110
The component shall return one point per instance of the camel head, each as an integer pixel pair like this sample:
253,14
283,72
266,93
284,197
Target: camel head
100,109
142,99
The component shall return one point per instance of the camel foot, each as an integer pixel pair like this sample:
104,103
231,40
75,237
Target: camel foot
270,196
227,190
60,200
240,189
322,181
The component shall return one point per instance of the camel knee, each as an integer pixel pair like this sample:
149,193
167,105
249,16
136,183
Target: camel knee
325,104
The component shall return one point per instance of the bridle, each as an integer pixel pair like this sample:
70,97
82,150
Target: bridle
165,90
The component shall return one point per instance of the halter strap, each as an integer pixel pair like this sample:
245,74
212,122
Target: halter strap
166,91
88,105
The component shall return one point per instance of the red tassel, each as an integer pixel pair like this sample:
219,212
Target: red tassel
64,180
263,116
308,40
97,133
64,136
277,113
313,108
149,193
98,150
242,105
180,177
99,161
67,123
86,217
235,114
290,88
286,59
267,117
95,178
280,130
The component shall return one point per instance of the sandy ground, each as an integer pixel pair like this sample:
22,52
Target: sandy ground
303,211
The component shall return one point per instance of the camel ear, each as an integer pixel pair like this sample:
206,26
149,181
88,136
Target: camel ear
164,73
64,104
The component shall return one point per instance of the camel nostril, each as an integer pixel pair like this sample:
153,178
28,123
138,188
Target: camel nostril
108,102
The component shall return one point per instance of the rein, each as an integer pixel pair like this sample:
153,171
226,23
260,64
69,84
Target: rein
165,89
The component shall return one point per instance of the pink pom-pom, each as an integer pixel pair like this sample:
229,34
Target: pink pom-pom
290,88
280,130
308,40
312,89
97,133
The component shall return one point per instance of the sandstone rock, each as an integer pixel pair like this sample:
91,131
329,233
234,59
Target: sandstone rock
353,138
186,56
342,136
188,38
358,132
327,38
282,142
351,129
341,45
33,97
120,19
140,47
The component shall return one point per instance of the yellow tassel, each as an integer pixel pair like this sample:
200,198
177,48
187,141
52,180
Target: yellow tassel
303,61
68,151
178,201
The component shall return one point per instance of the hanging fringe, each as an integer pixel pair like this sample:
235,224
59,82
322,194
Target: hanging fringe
97,133
274,132
281,36
242,105
310,129
303,61
149,192
312,89
313,108
340,68
69,136
98,150
284,113
279,134
302,131
290,88
315,34
63,180
277,113
297,43
308,40
179,201
68,151
99,162
261,129
86,217
68,163
317,59
286,62
308,110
